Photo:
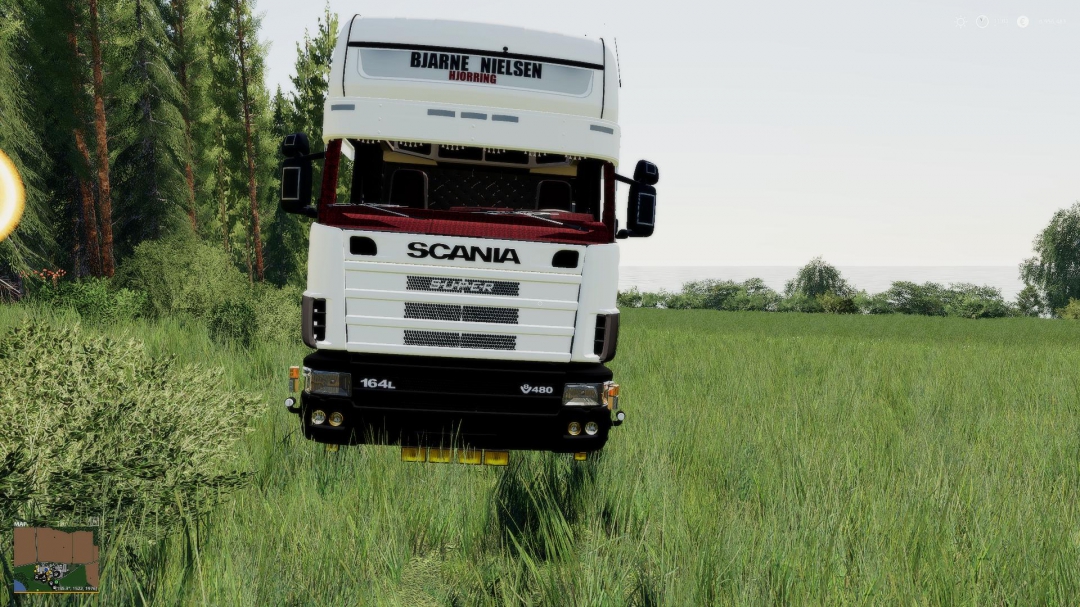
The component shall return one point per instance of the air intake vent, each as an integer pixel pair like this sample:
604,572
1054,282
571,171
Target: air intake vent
318,319
428,311
362,245
606,338
463,285
565,259
601,332
446,339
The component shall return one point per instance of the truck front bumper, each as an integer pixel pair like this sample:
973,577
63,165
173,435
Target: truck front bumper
443,402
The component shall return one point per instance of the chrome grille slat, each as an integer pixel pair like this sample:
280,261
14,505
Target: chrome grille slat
448,312
448,339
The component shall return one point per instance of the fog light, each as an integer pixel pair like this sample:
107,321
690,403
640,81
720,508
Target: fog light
318,417
581,395
574,428
591,428
336,419
290,402
620,416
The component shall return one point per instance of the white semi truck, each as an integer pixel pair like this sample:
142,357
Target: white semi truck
463,265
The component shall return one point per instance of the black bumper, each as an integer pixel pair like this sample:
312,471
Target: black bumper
444,402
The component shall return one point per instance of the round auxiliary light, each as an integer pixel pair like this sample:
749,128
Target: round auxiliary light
318,416
591,428
290,402
574,428
620,416
336,419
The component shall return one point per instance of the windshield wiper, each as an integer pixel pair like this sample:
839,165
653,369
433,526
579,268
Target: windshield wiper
530,215
380,208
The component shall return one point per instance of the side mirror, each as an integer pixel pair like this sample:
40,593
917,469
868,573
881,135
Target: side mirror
296,145
646,172
296,173
641,210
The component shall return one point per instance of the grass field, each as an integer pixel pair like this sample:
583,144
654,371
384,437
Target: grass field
766,458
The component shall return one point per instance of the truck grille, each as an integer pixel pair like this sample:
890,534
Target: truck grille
447,339
462,285
429,311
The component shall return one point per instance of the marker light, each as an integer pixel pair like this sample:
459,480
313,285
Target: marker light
591,428
611,395
294,379
336,419
330,383
581,395
574,428
497,458
318,417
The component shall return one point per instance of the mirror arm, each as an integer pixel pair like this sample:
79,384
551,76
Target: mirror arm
624,233
626,180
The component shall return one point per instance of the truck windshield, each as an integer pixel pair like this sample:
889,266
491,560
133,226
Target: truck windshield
392,186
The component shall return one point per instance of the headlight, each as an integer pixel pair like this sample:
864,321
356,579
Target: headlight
330,383
581,395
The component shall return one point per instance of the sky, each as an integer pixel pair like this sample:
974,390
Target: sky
870,133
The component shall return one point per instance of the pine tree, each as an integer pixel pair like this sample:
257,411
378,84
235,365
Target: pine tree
186,27
242,98
312,73
147,127
31,243
56,71
303,112
101,140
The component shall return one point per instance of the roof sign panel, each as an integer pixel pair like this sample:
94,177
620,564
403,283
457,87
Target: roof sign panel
473,68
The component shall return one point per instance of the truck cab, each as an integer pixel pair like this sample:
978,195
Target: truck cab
463,262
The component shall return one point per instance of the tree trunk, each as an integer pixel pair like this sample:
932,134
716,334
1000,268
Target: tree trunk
179,10
101,134
246,100
89,215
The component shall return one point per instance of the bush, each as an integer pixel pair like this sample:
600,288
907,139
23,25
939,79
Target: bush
95,299
836,304
233,321
877,303
277,313
818,278
1071,311
972,301
629,299
182,274
97,425
799,302
910,298
713,294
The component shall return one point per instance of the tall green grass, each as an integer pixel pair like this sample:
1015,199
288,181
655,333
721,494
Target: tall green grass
784,459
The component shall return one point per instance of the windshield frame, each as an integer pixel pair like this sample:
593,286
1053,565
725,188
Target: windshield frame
483,222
